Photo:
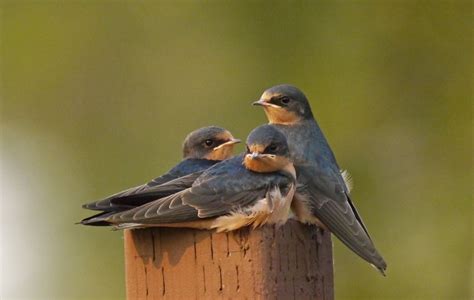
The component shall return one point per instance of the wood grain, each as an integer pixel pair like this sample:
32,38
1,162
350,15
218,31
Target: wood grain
290,262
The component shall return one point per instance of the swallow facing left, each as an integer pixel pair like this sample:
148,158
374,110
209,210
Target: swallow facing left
254,188
202,149
322,196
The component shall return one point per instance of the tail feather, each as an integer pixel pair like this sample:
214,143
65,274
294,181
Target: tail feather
98,219
345,224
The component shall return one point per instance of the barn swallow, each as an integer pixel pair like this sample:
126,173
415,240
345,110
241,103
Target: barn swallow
322,196
202,149
254,188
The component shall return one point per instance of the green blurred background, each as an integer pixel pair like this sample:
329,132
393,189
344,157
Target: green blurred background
97,97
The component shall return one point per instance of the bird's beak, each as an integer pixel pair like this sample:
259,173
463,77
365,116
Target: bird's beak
228,143
264,103
261,102
254,155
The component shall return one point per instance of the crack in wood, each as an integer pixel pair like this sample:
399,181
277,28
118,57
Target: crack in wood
237,276
227,242
146,281
220,279
161,243
153,244
204,278
212,247
163,285
254,273
195,249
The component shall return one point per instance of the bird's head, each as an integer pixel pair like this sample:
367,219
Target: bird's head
285,104
267,150
212,142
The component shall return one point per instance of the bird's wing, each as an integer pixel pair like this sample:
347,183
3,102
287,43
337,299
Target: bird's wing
106,205
333,207
178,178
157,192
225,188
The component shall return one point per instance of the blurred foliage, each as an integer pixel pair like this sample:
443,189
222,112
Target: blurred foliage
96,96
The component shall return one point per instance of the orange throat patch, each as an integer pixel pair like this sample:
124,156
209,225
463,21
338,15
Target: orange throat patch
269,164
281,116
221,153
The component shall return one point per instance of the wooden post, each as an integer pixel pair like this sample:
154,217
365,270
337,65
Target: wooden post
290,262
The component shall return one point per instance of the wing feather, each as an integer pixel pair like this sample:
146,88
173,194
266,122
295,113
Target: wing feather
220,190
180,177
336,211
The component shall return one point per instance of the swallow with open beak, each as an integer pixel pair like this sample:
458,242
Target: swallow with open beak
202,149
254,188
322,196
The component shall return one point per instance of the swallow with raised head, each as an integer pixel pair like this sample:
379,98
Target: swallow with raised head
254,188
202,149
322,196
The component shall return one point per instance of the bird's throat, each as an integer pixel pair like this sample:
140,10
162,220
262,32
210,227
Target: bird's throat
281,116
267,165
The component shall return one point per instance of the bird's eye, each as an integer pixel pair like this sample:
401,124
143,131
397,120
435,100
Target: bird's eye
272,148
209,142
285,100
